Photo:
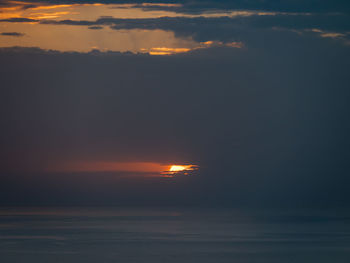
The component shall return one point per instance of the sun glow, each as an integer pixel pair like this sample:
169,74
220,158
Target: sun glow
136,169
178,168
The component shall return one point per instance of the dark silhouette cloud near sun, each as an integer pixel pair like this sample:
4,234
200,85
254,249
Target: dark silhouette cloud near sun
266,123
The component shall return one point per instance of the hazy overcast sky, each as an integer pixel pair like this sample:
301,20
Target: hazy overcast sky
99,100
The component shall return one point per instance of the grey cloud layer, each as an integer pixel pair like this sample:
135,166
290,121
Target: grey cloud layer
221,29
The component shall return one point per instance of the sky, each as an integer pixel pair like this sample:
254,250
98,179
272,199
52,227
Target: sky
223,103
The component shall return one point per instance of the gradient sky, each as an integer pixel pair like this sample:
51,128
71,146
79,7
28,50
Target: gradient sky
99,99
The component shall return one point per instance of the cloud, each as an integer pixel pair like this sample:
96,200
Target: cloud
226,29
19,20
192,6
241,27
328,21
13,34
95,27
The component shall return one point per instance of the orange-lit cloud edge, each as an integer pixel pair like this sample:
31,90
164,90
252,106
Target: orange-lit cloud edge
44,10
48,11
201,45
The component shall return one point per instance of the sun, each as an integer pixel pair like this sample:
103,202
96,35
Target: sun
179,168
175,170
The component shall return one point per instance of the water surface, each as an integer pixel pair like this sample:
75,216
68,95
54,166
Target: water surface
172,235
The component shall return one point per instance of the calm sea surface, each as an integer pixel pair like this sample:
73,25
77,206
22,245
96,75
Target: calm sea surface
172,235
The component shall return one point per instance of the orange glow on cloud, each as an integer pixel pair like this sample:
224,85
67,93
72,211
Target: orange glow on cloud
82,39
161,4
48,15
92,11
148,169
166,50
173,51
139,167
44,7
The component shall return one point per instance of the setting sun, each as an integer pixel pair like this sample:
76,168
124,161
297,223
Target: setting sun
175,170
178,168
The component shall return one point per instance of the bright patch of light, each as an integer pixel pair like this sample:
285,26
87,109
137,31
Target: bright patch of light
178,168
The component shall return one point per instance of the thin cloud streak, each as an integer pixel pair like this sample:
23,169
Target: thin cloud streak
12,34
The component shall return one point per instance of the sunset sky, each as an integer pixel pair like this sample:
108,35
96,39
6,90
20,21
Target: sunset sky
175,102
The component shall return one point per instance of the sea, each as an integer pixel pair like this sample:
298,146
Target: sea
173,234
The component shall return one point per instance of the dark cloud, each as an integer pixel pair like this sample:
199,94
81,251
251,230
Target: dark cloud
13,34
192,6
19,20
95,27
327,21
246,29
198,7
221,29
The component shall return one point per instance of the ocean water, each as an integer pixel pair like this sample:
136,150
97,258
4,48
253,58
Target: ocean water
110,234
